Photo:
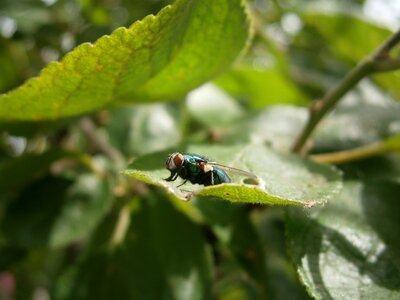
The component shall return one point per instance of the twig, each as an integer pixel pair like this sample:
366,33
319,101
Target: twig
121,227
391,144
89,129
344,156
386,65
378,61
388,45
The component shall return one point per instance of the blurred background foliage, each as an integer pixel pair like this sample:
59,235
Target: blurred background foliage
72,227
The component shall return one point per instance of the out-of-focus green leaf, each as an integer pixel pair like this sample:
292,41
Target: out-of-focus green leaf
161,256
28,15
33,128
277,126
212,107
283,178
271,279
20,170
10,254
261,88
9,68
139,9
365,115
144,129
233,282
282,279
344,31
346,37
158,58
234,230
29,18
376,168
54,212
393,143
349,248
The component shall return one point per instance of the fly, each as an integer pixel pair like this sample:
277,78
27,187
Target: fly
198,169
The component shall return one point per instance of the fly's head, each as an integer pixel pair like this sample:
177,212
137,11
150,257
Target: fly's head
174,161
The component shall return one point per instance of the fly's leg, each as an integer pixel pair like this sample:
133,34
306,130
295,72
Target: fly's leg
182,183
172,177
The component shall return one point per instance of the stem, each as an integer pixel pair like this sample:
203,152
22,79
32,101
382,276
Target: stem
388,45
321,107
121,227
377,61
89,129
344,156
386,65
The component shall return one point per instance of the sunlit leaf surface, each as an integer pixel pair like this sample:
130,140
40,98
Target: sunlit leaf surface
159,58
349,248
283,178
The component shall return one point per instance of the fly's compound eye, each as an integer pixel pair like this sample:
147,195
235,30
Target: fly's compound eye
174,161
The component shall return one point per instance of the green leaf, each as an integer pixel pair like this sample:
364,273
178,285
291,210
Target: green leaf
234,230
10,69
375,168
212,107
284,178
158,58
28,15
136,9
349,248
282,281
365,115
65,212
34,128
23,169
233,282
277,126
345,35
331,27
393,143
261,87
162,256
145,128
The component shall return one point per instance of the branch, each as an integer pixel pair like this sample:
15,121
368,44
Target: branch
378,61
121,227
391,144
344,156
89,129
386,65
388,45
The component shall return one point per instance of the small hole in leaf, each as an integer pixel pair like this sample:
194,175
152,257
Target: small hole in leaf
252,181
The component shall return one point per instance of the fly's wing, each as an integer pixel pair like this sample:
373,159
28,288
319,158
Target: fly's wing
233,170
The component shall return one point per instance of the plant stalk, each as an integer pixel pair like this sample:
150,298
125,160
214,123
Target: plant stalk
89,128
359,153
378,61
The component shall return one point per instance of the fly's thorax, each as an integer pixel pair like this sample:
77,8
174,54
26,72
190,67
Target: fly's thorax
191,164
194,158
175,161
193,168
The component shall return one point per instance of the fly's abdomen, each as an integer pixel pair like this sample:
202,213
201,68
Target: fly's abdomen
216,176
220,176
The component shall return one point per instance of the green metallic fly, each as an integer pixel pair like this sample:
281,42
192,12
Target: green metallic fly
198,169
